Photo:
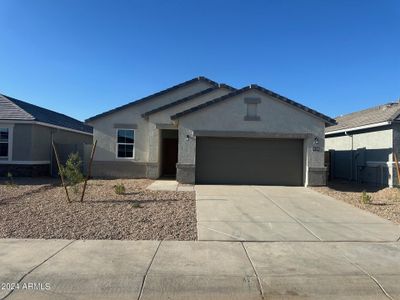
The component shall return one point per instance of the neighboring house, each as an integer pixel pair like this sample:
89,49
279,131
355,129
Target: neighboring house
204,132
361,145
26,133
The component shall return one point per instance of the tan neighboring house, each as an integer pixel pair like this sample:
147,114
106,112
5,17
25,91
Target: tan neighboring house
26,135
360,147
201,131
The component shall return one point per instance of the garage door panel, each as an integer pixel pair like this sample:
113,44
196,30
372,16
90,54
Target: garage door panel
249,161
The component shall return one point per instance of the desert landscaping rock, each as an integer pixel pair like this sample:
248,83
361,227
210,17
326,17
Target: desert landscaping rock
39,209
385,201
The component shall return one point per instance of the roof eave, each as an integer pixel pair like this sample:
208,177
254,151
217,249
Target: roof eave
367,126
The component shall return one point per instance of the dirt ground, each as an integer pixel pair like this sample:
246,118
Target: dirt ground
385,201
37,208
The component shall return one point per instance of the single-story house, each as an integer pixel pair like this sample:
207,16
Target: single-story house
204,132
26,135
362,143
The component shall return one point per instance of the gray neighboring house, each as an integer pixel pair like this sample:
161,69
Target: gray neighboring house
361,145
26,133
204,132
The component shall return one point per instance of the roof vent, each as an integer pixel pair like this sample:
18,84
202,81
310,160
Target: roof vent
386,106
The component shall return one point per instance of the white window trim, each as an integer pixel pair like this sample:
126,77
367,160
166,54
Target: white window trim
116,144
10,128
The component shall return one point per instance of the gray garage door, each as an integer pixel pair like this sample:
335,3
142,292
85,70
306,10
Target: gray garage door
249,161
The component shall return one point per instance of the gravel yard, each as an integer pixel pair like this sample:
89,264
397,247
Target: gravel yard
37,208
385,201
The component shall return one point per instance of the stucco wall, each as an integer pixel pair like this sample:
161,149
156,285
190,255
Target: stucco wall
276,119
105,131
22,142
164,117
145,137
33,142
31,148
363,156
371,140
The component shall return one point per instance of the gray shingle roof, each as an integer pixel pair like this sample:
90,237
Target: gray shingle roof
378,114
327,119
147,98
17,110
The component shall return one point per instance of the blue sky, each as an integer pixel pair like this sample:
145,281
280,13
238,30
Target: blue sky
85,57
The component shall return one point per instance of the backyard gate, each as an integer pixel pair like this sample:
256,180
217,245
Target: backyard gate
361,165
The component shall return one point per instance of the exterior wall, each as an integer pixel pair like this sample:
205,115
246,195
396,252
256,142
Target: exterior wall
145,136
277,119
164,118
32,150
363,156
22,142
119,169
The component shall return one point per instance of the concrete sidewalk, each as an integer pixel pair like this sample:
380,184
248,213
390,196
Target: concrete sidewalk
63,269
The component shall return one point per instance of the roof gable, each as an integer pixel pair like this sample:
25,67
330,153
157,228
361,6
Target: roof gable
326,119
23,111
187,99
151,97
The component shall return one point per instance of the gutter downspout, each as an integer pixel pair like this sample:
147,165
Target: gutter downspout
352,158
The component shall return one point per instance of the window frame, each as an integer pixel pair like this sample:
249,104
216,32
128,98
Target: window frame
7,142
10,128
117,144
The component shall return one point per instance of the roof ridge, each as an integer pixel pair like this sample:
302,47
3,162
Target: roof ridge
376,107
149,97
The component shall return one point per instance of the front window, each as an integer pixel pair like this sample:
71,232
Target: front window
125,143
4,138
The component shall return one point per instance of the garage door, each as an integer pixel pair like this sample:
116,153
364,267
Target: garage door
249,161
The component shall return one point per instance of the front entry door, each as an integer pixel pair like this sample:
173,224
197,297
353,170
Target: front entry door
169,156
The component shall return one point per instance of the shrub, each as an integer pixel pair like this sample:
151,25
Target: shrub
72,171
10,180
365,198
136,204
119,189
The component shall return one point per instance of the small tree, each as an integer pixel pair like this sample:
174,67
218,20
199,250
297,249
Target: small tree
72,171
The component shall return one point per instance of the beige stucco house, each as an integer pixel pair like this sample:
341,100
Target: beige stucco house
204,132
361,145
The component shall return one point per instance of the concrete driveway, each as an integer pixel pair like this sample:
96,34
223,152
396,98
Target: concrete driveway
274,213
